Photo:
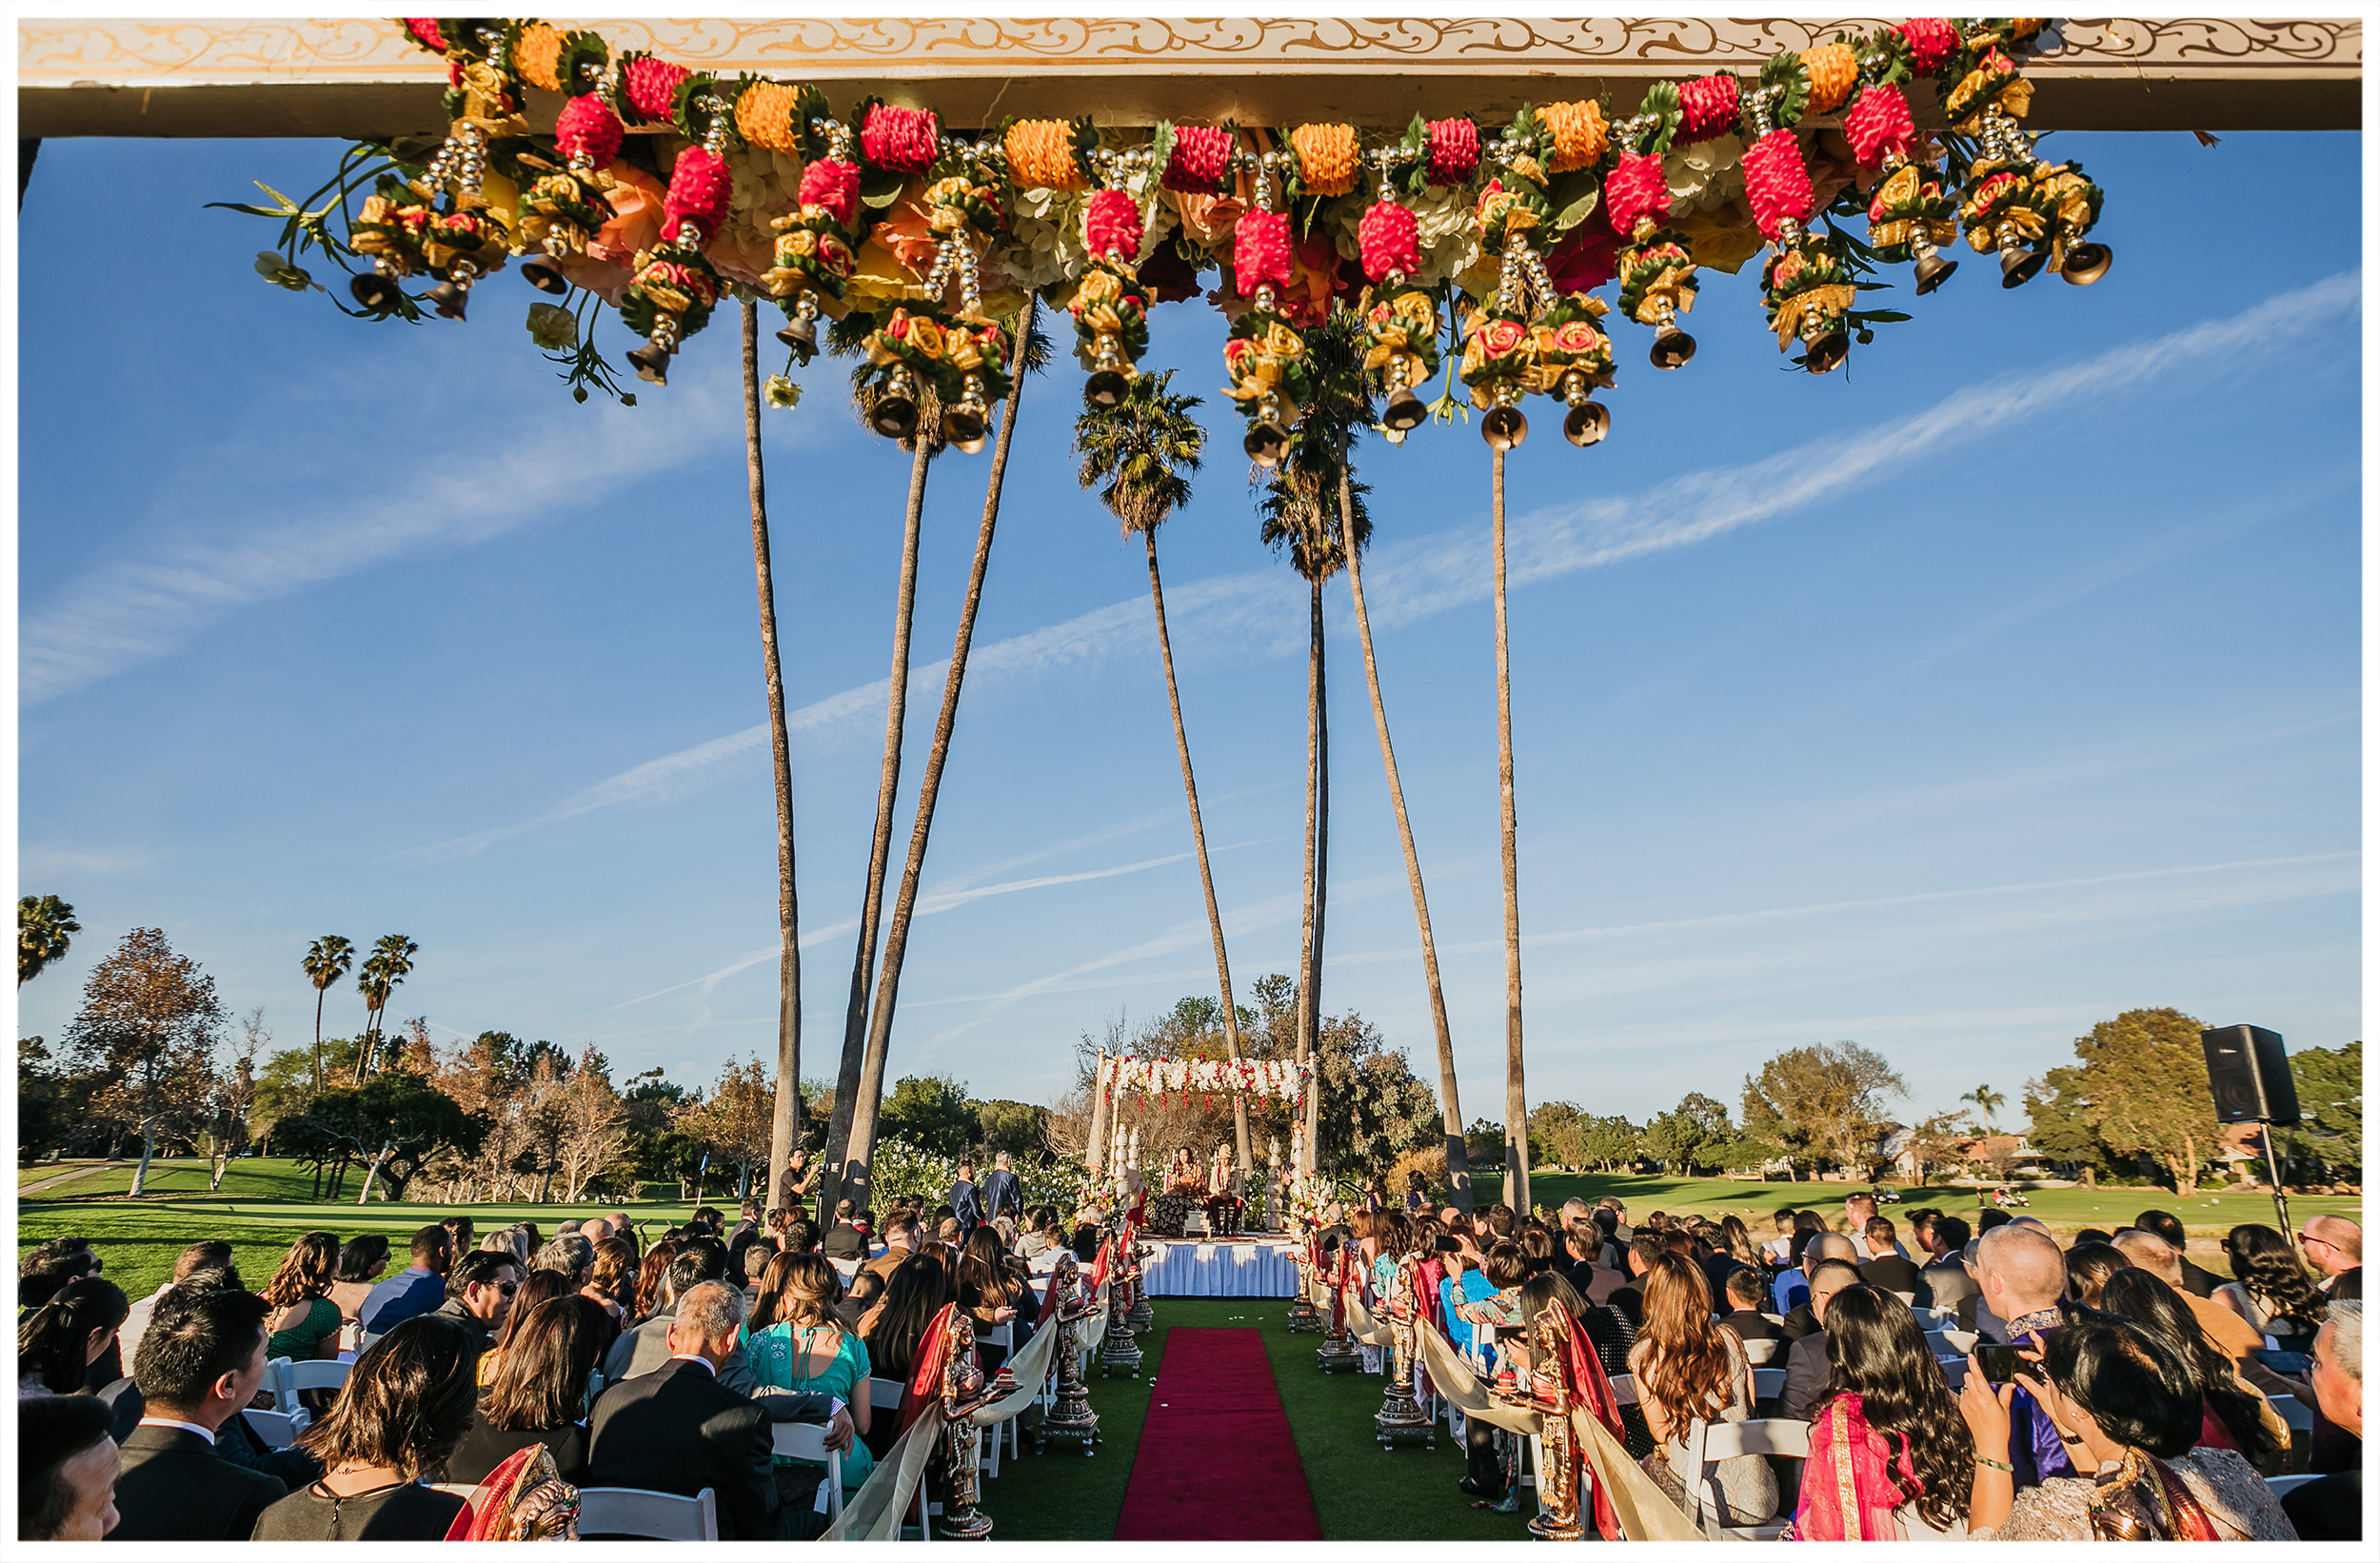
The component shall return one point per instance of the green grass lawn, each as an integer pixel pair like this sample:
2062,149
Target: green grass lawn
2206,1215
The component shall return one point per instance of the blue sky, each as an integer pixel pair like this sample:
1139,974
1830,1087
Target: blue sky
1948,705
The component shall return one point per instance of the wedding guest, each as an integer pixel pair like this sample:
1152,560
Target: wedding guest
1002,1193
1945,1274
990,1290
459,1233
1820,1248
570,1253
1745,1294
1859,1210
201,1361
901,1239
844,1240
1890,1271
2087,1269
2330,1508
1689,1370
2166,1225
538,1289
2231,1335
1808,1368
2022,1278
212,1250
680,1429
479,1297
611,1283
539,1393
768,1296
418,1289
652,1276
808,1348
362,1260
2237,1416
306,1320
2270,1287
2134,1410
1891,1459
2334,1246
1628,1299
1777,1248
647,1348
49,1265
65,1470
966,1206
57,1342
866,1290
404,1407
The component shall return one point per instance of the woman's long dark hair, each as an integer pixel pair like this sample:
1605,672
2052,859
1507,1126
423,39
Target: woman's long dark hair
406,1403
919,1289
542,1286
2090,1267
1877,1351
306,1271
2142,1392
541,1380
360,1254
2265,1263
2149,1302
984,1278
55,1340
649,1276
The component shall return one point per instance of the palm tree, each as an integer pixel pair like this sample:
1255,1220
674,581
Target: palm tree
1144,449
1987,1101
389,964
43,923
849,336
326,962
785,1121
1335,353
1030,355
1300,511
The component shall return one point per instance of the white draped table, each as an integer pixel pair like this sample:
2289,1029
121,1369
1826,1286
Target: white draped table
1189,1268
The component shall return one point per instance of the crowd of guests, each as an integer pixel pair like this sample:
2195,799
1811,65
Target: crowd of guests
2111,1387
590,1358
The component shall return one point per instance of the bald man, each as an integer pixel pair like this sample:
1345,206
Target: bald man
1806,1370
2022,1276
1800,1318
2233,1335
2333,1245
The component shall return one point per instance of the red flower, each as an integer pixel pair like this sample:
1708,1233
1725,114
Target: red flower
904,140
1453,152
1879,125
1111,223
1931,40
1499,337
1777,182
1259,251
1201,158
700,190
1389,237
1586,257
1710,105
1168,276
588,124
424,31
1635,190
834,185
651,87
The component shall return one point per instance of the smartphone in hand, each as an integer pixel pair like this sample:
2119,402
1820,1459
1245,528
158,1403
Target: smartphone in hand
1999,1362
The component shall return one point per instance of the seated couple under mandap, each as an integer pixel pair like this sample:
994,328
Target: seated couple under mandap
1216,1191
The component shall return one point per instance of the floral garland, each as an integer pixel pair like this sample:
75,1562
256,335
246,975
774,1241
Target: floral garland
661,188
1276,1079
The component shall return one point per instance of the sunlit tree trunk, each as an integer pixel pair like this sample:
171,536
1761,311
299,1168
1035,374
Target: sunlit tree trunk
1515,1089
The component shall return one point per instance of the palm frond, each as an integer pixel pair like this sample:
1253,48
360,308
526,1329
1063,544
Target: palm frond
1141,452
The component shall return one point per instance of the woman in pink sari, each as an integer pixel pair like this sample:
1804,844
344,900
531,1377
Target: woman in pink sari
1891,1457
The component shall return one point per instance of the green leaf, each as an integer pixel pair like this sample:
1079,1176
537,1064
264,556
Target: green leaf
287,204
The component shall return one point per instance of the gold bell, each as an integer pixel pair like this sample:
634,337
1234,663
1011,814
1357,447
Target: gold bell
1672,347
2019,266
963,422
450,298
543,274
1266,444
2086,264
1106,388
1505,426
651,361
380,295
1933,269
800,333
1823,354
895,415
1404,410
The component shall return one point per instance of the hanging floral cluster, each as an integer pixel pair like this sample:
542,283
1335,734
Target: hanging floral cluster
661,188
1279,1079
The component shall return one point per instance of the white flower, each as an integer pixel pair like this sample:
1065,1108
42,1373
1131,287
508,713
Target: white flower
1704,176
1443,228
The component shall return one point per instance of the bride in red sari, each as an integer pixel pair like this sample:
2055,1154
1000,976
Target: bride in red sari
1891,1457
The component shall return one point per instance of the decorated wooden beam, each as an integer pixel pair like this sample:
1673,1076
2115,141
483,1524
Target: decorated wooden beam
356,78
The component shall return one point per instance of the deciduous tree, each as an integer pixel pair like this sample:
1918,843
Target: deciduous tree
2143,1081
1823,1101
147,1031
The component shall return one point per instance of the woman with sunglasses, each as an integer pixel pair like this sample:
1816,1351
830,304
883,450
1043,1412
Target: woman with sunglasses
2271,1290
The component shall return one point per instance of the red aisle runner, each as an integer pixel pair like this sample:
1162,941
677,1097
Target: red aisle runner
1216,1462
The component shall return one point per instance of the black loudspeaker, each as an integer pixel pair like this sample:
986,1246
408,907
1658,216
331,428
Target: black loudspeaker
2248,1071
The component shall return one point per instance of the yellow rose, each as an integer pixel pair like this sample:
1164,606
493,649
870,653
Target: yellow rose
1282,342
926,336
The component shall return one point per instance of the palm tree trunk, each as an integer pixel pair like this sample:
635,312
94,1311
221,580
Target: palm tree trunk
1515,1089
868,1087
1457,1163
317,1040
1198,837
855,1026
1317,863
786,1125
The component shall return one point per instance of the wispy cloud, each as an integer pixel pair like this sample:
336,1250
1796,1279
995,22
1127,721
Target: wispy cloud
1258,614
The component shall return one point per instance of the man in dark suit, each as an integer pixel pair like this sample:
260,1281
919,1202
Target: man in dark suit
478,1295
200,1359
1948,1281
1745,1294
1001,1192
2331,1508
1826,1248
678,1430
1806,1367
966,1205
2198,1282
902,1238
1643,1250
846,1241
648,1348
1888,1271
1580,1240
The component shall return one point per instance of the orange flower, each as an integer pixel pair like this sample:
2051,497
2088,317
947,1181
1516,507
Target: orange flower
1833,70
539,56
907,232
1579,134
764,117
1326,158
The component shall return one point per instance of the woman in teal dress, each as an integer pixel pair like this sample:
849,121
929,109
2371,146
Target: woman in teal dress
304,1322
807,1348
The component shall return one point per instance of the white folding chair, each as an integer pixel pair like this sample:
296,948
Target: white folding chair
1774,1318
2300,1418
807,1443
1709,1442
2283,1486
278,1429
1758,1353
1004,1337
1767,1383
644,1515
460,1488
1909,1299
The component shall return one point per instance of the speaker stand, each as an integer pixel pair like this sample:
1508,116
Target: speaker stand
2280,1194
